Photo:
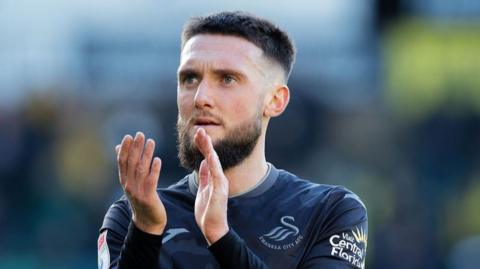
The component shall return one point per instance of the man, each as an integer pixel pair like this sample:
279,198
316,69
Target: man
235,210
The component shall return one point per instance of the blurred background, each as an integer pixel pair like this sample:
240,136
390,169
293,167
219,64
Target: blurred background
385,101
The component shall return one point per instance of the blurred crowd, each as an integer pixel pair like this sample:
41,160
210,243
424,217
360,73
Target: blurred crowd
392,113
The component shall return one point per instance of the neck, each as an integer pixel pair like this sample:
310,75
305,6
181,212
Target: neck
244,176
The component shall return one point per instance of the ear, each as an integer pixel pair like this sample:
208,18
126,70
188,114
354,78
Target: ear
277,101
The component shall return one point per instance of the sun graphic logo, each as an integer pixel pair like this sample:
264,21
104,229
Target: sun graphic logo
360,235
284,236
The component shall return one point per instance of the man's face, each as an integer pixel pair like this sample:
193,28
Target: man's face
221,88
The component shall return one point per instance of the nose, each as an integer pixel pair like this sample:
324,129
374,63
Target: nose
203,96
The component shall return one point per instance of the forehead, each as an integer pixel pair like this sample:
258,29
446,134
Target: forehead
223,51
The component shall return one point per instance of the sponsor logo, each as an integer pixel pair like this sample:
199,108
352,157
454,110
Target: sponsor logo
171,233
284,236
350,246
103,252
360,235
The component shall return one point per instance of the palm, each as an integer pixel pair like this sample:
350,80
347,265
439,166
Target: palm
201,205
138,176
212,195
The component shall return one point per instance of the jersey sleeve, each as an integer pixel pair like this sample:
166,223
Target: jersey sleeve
232,252
341,243
122,245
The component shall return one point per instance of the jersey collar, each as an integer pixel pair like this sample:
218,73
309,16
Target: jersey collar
262,186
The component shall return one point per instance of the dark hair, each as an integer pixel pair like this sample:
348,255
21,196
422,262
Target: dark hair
275,43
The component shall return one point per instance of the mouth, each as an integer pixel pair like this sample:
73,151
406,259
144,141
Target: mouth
205,122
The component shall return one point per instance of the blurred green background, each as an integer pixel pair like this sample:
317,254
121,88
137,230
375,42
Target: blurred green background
385,101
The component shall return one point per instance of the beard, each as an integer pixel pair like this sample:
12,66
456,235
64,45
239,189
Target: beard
232,149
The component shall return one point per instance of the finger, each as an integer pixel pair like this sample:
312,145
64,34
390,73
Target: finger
203,175
117,149
143,167
205,145
201,140
154,175
134,156
218,178
122,158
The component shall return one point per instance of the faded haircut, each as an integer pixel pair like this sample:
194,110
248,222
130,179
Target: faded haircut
274,42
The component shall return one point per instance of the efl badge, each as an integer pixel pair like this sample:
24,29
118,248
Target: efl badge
103,253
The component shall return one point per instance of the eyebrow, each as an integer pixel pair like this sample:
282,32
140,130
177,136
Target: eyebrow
223,71
186,72
220,71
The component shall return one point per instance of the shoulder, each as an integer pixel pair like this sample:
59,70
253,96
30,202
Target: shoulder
180,186
344,208
178,192
118,216
330,200
333,193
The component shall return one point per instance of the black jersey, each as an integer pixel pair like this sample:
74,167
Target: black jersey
283,222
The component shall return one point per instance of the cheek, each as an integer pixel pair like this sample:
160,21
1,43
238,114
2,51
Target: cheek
245,107
185,104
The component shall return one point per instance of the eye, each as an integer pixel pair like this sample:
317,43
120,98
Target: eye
227,79
189,80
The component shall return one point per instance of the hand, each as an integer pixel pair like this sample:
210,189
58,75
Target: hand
212,195
139,176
